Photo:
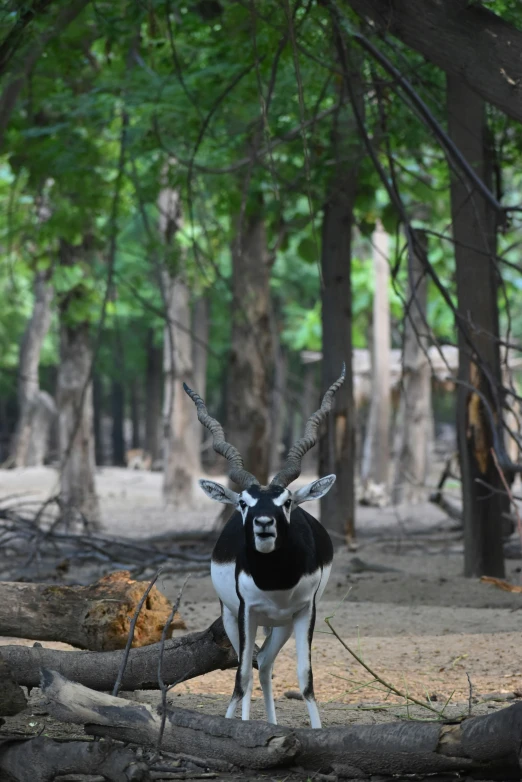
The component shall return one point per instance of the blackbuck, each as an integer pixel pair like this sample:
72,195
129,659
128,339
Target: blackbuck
271,562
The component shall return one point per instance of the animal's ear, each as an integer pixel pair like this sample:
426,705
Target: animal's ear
218,492
314,490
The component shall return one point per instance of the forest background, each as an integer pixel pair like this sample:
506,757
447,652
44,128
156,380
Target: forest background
238,195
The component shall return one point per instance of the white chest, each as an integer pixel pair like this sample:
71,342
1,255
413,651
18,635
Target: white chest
271,608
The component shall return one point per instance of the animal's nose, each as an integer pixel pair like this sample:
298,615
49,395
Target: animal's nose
264,522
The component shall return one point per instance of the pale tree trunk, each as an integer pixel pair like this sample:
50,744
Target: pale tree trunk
250,361
200,325
76,430
75,409
376,449
279,402
474,232
181,457
415,417
36,407
200,319
310,401
153,397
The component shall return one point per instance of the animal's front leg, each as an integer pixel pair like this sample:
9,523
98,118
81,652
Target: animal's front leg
244,679
265,661
304,623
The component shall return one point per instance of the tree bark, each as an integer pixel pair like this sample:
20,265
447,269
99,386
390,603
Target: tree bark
153,394
36,407
278,398
488,745
42,759
200,331
95,617
415,416
181,450
97,404
474,233
251,358
376,449
465,39
12,698
75,422
200,324
310,401
184,658
337,443
181,456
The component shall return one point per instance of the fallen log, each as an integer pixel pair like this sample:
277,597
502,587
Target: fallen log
42,760
184,658
95,617
489,745
12,698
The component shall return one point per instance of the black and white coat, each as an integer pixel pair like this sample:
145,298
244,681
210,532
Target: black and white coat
269,568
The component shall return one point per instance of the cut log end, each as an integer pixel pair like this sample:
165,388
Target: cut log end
95,617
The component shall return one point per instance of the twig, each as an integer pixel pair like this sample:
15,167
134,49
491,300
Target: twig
376,675
470,693
130,637
509,494
163,687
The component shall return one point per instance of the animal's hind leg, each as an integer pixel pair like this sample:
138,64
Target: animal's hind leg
265,661
231,627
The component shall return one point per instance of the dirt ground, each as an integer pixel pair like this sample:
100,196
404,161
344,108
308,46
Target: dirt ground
399,601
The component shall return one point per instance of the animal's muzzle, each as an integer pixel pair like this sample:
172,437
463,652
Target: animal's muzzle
264,526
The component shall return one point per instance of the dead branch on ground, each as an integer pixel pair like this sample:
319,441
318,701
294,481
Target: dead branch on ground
96,617
184,658
42,760
482,745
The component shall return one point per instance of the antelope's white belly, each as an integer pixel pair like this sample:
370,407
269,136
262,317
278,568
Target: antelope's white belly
272,608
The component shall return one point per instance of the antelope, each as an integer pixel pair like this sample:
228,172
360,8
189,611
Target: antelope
271,562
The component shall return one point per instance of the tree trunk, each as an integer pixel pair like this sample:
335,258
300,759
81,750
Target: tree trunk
310,401
95,617
465,39
415,417
474,233
337,444
200,324
118,415
36,407
376,449
181,452
74,401
97,402
184,658
200,318
278,399
251,359
153,395
487,745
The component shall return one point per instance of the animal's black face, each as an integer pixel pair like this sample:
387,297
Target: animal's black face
266,510
266,516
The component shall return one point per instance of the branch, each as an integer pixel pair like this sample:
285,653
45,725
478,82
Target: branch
461,38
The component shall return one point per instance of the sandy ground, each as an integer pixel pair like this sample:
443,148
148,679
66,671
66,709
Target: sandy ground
415,620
